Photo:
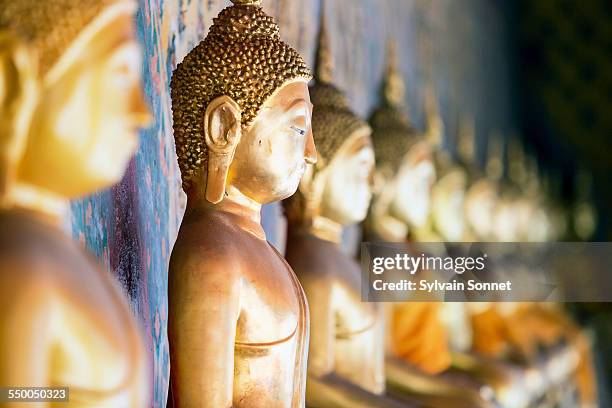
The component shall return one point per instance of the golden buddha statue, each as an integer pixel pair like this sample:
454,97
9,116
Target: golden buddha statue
526,336
486,357
238,318
506,226
404,166
545,331
417,338
346,355
71,104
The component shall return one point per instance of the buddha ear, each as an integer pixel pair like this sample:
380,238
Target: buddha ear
222,132
19,88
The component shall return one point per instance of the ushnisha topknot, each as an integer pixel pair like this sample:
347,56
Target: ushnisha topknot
333,121
392,132
242,57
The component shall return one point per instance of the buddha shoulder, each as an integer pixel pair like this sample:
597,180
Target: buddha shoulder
315,259
40,266
213,236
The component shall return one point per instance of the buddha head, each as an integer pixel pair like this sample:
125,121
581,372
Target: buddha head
481,194
584,212
536,222
241,110
404,165
84,62
480,204
448,199
448,191
529,216
338,186
505,226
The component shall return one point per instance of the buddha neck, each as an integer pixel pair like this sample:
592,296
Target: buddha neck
390,228
245,212
326,229
47,205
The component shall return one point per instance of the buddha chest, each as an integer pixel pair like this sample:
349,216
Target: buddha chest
86,337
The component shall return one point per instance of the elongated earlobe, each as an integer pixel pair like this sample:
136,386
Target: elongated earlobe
19,89
222,132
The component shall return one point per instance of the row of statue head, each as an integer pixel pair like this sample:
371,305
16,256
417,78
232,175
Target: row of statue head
238,88
43,131
524,204
73,100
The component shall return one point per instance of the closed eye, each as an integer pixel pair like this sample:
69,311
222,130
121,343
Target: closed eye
301,132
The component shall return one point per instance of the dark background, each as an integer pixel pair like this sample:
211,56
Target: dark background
563,75
562,68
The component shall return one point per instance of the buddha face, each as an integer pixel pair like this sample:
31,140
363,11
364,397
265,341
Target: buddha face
448,203
481,201
414,181
272,153
506,224
85,128
347,191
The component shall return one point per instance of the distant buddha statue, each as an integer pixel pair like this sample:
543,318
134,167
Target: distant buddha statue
448,192
70,107
544,334
418,340
347,340
584,213
238,319
482,188
405,170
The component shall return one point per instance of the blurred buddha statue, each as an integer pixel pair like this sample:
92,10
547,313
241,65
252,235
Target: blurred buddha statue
482,190
417,338
506,223
546,331
238,318
448,191
70,104
346,354
540,339
584,213
489,327
531,218
405,169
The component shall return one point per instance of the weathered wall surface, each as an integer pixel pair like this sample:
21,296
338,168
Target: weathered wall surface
456,45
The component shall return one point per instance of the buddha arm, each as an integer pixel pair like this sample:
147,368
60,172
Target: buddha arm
332,391
324,388
322,327
404,380
25,332
203,311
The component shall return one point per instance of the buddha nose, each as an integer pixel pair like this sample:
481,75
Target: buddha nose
310,150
